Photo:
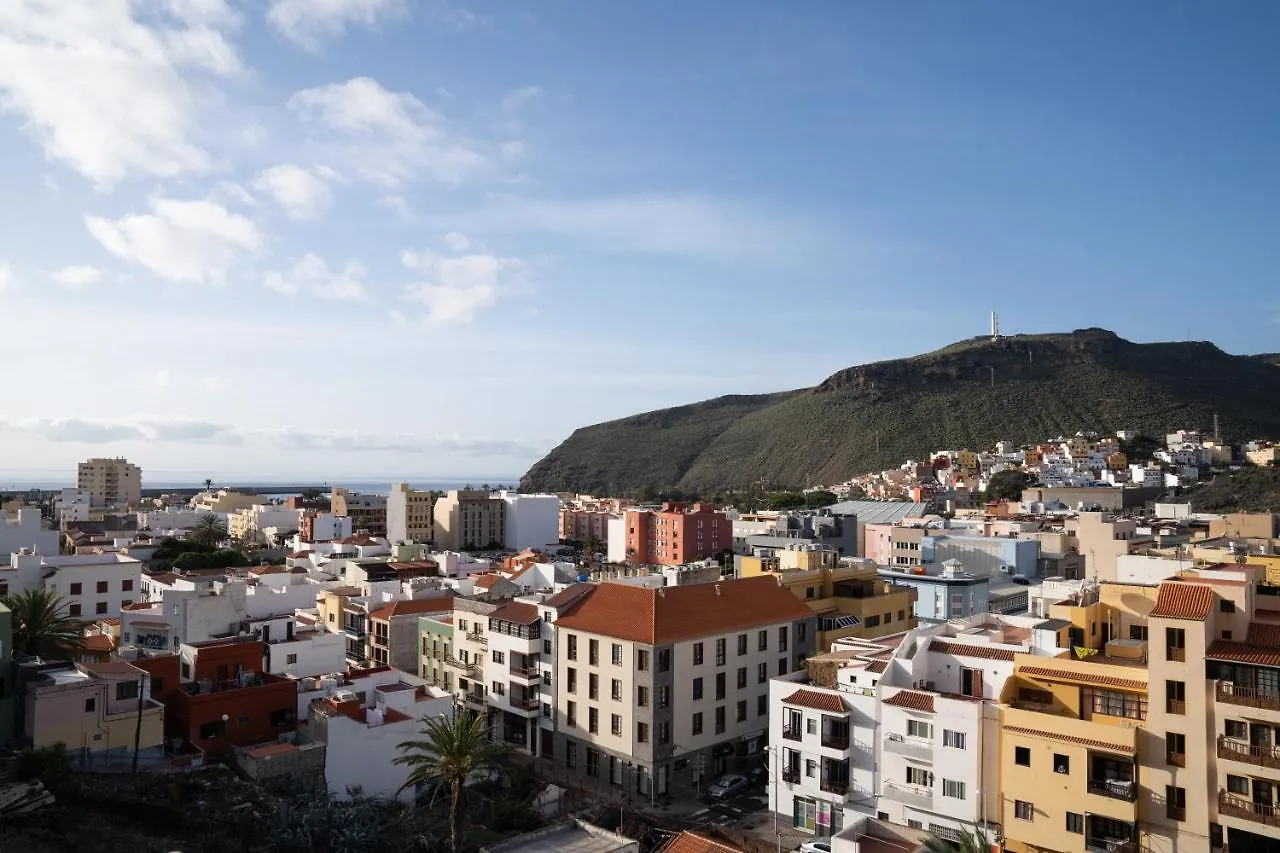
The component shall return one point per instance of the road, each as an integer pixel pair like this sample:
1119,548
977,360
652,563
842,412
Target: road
745,811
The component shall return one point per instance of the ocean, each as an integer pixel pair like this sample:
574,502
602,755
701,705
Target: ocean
17,481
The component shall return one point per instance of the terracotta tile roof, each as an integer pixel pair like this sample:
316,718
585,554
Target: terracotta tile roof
817,700
1244,653
911,699
99,643
877,666
1082,741
692,842
970,651
1177,600
1264,634
434,604
517,613
486,581
672,614
568,595
1097,678
299,555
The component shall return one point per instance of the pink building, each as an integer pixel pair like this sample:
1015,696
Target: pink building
876,544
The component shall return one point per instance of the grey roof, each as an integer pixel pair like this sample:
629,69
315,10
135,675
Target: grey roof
878,512
1054,624
573,836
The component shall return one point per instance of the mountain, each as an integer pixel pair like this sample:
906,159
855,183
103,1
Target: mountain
969,394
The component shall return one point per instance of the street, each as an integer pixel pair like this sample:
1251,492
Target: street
744,811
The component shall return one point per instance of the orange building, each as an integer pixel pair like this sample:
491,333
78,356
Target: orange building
676,534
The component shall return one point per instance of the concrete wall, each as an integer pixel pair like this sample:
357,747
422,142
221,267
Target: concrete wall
26,531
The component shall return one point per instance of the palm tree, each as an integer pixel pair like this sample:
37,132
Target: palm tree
209,530
967,841
455,749
39,626
591,550
208,484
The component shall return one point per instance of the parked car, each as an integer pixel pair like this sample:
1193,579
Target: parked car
728,786
815,847
758,775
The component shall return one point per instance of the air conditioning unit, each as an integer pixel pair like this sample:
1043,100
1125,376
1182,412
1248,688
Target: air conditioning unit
1005,570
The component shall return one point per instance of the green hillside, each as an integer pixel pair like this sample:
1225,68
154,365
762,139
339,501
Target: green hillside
969,394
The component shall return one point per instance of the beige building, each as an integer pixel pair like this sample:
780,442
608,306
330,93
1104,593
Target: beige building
470,521
1101,539
110,482
368,513
1269,455
671,685
410,515
227,501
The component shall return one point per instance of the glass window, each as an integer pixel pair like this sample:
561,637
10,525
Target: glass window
1022,756
1075,823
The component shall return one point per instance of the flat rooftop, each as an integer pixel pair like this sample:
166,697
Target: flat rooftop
569,837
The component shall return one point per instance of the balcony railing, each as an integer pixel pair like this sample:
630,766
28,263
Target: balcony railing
1114,788
1176,759
791,733
1175,706
478,637
791,777
1233,806
1176,653
1250,697
835,741
525,703
1110,845
528,671
835,787
900,745
1262,756
912,796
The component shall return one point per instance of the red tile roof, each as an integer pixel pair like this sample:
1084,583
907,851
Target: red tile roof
1244,653
1264,634
434,604
911,699
99,643
817,700
1179,600
568,595
877,665
971,651
1097,678
516,612
692,842
1082,741
672,614
487,580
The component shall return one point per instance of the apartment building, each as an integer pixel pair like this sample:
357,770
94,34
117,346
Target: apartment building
663,689
90,585
471,650
576,524
470,521
410,515
110,482
676,534
225,501
513,673
249,524
435,649
530,521
393,630
368,513
26,529
1102,539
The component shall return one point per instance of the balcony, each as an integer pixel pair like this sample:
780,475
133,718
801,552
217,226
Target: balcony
354,631
835,740
1175,706
1110,845
477,637
1250,697
473,699
791,733
831,786
791,777
914,749
527,673
1176,759
1230,805
525,703
1115,789
1261,756
921,798
1176,653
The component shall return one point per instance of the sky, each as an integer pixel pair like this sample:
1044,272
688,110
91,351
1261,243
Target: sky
328,238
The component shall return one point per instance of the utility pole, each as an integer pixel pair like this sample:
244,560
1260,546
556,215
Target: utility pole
137,725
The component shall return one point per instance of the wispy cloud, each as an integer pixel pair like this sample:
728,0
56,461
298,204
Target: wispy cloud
301,193
77,277
311,23
459,284
310,275
6,276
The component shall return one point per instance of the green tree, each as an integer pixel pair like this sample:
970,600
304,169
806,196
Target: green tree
969,841
1007,485
820,498
591,546
39,626
209,531
208,484
786,500
1140,448
455,749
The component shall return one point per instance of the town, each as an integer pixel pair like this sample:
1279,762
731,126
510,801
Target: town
1040,647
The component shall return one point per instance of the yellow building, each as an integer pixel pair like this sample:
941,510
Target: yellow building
470,521
110,482
850,600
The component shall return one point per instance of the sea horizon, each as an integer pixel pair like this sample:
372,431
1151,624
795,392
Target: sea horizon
13,482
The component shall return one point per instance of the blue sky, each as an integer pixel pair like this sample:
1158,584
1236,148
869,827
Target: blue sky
353,237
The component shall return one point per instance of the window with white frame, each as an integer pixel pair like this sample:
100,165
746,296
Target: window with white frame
952,739
920,729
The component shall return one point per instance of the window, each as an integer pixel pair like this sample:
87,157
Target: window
721,688
762,641
1237,729
1023,810
1115,704
546,647
593,652
75,589
571,713
782,638
571,647
615,654
697,654
1022,756
810,592
571,682
955,740
642,660
1061,763
546,709
742,710
213,730
919,776
697,688
73,610
920,729
762,705
873,621
593,720
697,723
615,689
1175,802
802,627
1227,606
593,762
498,689
1034,696
902,615
642,696
664,696
103,587
664,732
1226,635
570,754
593,686
1138,632
720,717
1175,749
615,725
1175,644
721,646
291,659
280,717
642,732
91,704
100,607
1175,696
1075,823
782,666
499,657
952,788
1238,785
742,677
762,673
810,768
126,585
742,644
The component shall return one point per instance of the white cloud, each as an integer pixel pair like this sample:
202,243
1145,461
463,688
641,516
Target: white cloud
457,17
76,277
301,193
162,378
393,137
310,23
108,94
310,275
398,203
457,288
6,275
517,99
179,240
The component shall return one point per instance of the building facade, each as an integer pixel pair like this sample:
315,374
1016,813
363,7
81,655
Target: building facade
368,513
470,521
110,482
676,534
410,515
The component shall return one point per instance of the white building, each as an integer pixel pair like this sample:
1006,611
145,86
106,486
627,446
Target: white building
90,585
298,651
25,530
250,523
163,521
616,545
327,526
532,521
72,505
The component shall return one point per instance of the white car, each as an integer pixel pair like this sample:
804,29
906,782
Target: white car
814,847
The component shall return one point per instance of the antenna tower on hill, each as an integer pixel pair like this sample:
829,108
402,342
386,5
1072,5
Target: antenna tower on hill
995,326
